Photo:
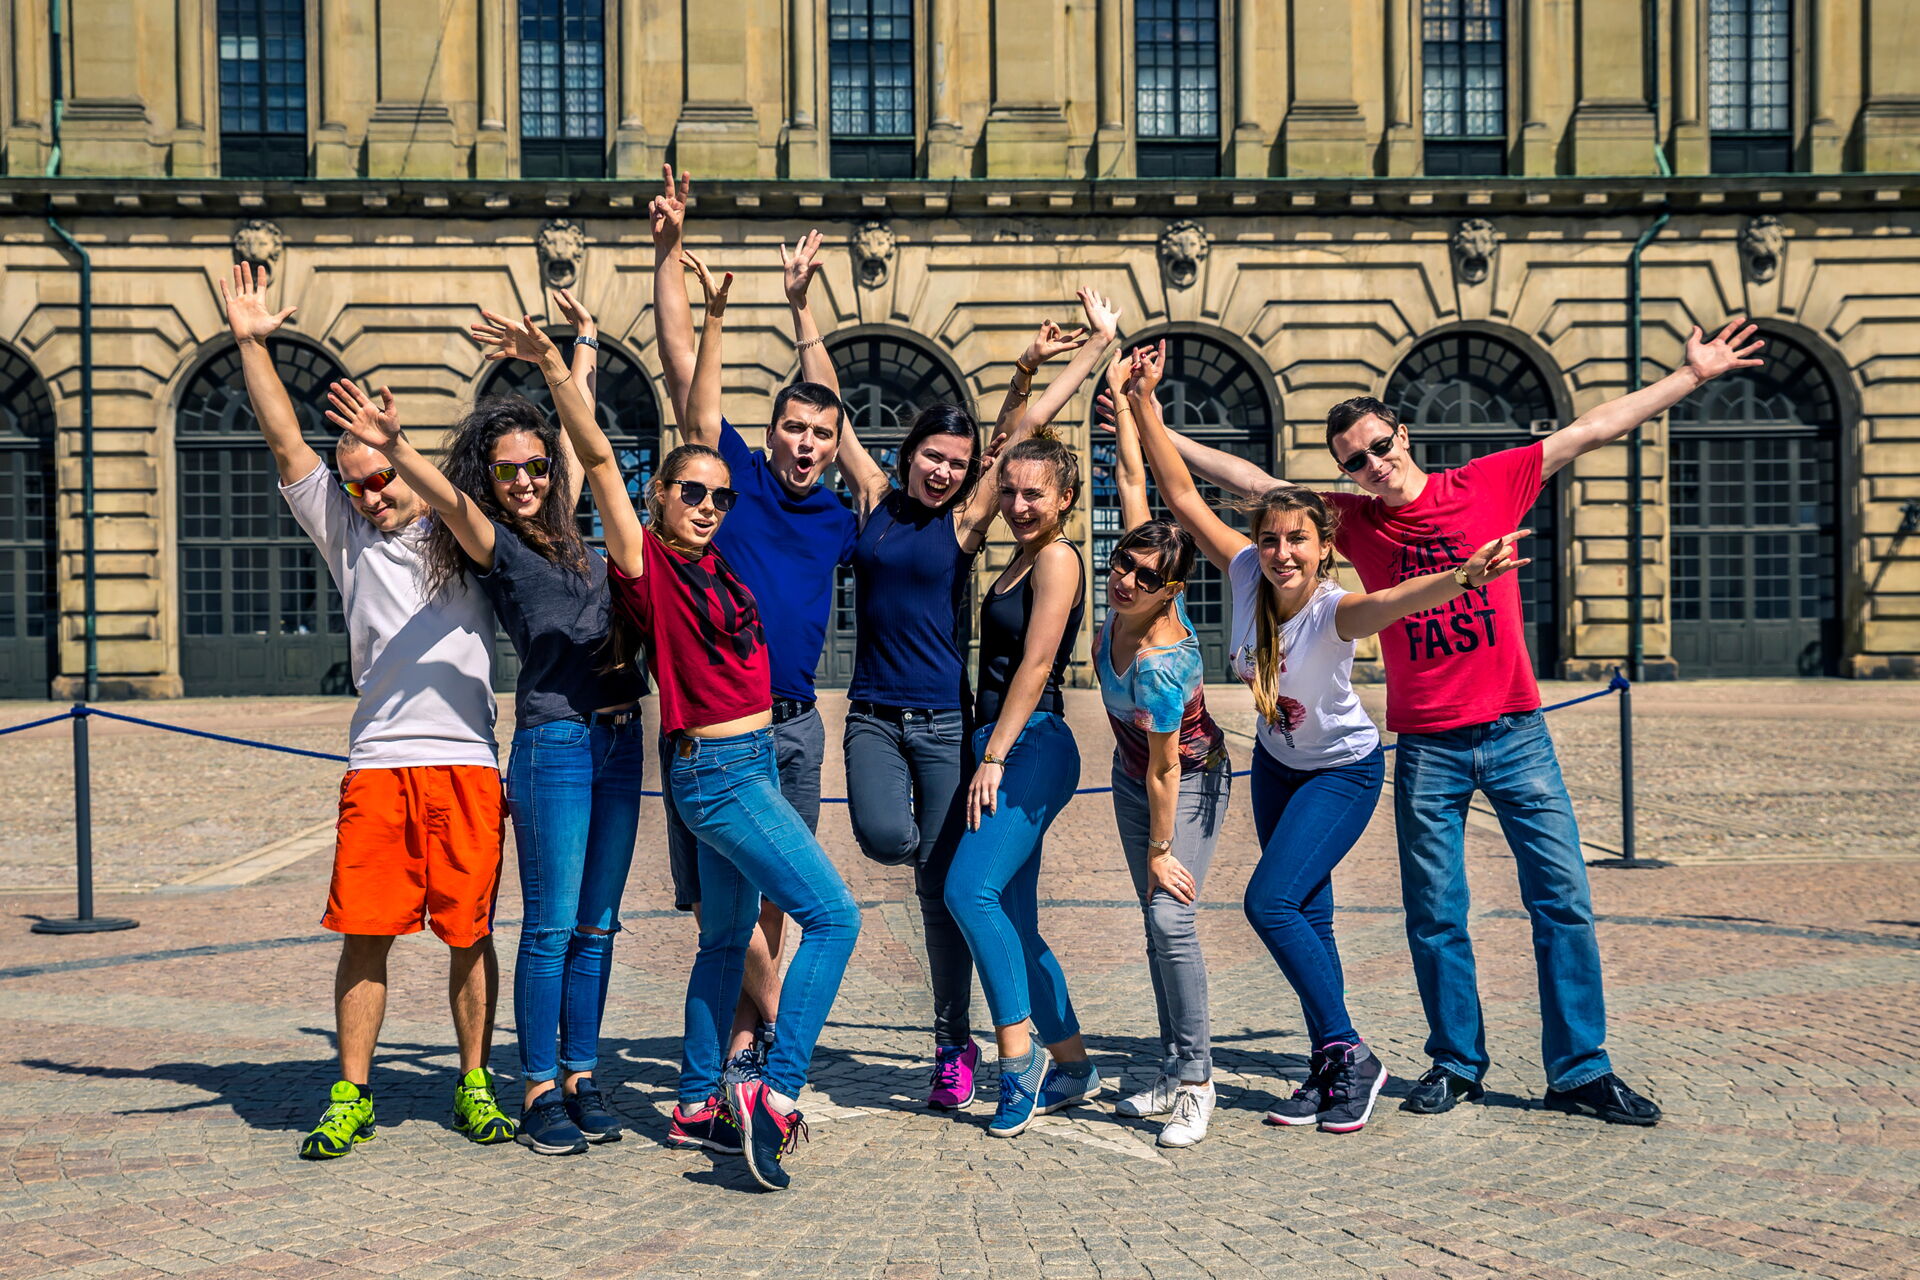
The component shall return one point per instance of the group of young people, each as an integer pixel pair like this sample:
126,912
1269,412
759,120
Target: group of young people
719,598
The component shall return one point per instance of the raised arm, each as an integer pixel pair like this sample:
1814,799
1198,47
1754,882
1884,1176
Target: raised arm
972,521
1358,616
252,321
376,424
1130,473
672,313
1103,324
1705,361
701,425
586,371
1056,584
797,270
1219,541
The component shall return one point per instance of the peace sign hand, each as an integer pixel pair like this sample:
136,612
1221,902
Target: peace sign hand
667,212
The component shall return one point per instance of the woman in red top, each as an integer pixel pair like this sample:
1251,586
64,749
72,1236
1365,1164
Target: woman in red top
708,655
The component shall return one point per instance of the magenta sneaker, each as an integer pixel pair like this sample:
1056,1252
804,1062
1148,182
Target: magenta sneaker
953,1071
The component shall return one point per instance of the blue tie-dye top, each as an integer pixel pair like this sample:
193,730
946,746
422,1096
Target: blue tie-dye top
1163,691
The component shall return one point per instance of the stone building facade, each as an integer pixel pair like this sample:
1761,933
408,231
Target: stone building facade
1433,201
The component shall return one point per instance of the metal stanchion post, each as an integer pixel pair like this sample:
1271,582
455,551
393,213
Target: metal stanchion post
85,921
1629,859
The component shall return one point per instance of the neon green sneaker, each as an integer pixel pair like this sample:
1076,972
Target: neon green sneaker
476,1113
348,1122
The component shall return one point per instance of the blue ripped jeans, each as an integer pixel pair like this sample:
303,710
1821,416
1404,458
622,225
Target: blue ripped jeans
752,842
574,795
993,886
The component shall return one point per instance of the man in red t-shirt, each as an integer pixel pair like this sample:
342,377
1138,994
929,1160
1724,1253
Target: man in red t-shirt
1461,695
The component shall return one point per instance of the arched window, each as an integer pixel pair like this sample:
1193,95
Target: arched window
563,89
1749,85
1463,68
259,613
884,381
1177,88
28,591
870,83
1465,394
1214,396
1755,521
263,88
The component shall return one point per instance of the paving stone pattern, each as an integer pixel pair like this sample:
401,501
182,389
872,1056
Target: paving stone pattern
155,1082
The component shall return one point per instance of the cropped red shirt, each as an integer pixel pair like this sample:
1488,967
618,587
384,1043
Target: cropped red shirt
706,647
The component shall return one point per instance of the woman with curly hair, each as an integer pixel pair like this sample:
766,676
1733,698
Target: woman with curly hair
1318,765
504,500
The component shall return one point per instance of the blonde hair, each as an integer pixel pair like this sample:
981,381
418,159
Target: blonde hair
1268,653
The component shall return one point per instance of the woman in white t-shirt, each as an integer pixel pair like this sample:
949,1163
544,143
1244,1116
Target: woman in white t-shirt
1318,767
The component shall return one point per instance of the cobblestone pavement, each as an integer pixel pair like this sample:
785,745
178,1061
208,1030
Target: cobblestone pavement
154,1083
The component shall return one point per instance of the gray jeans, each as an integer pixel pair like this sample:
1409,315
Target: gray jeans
1178,969
799,748
905,771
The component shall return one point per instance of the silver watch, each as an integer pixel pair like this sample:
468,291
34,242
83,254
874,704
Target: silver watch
1164,846
587,342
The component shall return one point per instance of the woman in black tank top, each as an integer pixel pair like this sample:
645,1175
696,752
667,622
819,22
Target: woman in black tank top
1028,769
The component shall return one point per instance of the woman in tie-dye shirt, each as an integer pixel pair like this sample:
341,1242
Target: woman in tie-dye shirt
1170,783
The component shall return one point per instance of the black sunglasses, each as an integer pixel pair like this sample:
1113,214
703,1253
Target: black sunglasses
1379,448
372,484
504,472
1123,564
693,493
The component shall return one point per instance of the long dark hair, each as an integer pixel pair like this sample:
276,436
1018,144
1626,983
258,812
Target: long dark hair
1174,544
550,532
942,419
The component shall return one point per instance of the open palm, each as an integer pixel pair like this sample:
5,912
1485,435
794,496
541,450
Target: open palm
1728,351
248,314
511,339
1102,316
376,424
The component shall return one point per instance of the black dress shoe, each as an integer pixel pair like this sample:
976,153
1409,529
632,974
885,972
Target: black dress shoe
1606,1098
1438,1091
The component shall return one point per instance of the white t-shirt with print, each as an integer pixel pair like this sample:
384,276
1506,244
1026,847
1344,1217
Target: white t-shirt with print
1322,724
424,668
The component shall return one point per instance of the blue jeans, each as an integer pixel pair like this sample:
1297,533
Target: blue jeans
752,842
574,795
1307,820
1511,761
993,887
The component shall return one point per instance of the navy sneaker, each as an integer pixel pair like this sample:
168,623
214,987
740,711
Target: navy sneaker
1438,1091
1353,1080
708,1125
1607,1098
588,1109
1060,1090
766,1136
548,1129
1304,1106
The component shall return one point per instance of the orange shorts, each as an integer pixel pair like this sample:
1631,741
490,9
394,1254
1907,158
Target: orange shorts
417,846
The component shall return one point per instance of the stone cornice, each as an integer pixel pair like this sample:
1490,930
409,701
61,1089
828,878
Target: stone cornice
1216,197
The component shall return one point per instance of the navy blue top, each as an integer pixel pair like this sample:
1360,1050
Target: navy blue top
785,549
909,599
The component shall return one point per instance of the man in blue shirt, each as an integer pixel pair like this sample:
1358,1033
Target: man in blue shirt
786,536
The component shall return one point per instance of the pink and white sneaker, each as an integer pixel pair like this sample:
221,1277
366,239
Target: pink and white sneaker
954,1068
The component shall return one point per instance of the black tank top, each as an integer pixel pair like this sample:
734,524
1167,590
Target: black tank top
1003,642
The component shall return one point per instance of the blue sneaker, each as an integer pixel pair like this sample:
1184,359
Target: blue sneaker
1017,1106
587,1107
1060,1090
548,1129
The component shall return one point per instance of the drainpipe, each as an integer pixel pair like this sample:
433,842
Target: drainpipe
86,388
1636,621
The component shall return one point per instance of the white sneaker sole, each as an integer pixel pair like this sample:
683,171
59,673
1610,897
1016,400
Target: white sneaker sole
1291,1122
1074,1101
1356,1125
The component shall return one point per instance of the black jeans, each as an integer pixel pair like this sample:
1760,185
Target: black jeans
905,775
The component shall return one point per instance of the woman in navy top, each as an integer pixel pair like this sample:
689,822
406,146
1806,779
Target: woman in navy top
920,529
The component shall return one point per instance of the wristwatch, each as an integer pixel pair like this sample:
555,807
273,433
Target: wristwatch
587,342
1163,846
1461,576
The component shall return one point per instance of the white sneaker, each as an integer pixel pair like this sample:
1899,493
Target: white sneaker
1154,1100
1192,1109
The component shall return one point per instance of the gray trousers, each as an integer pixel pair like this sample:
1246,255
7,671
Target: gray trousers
799,749
1178,969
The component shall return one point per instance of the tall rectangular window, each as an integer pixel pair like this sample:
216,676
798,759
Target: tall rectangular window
563,89
870,83
1177,92
1749,69
263,88
1464,86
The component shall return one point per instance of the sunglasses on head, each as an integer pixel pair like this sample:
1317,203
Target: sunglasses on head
693,493
1123,564
372,484
1379,448
504,472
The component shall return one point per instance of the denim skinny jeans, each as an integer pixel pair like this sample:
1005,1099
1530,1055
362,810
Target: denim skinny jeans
993,888
1308,820
751,842
573,792
1511,761
905,772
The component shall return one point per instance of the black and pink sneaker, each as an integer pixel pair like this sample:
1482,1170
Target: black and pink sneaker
708,1125
766,1136
1353,1080
954,1069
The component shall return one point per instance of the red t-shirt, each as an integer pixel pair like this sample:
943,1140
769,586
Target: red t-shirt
706,648
1465,663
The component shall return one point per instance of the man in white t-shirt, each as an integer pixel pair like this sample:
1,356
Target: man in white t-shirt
420,831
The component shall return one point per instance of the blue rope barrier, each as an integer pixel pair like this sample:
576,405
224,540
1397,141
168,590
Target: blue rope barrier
35,724
215,737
